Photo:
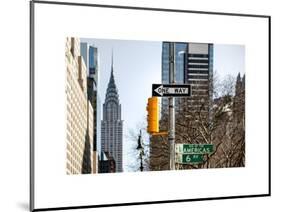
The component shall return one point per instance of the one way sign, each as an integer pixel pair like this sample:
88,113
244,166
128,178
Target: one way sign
177,90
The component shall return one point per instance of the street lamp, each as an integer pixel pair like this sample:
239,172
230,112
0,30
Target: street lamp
140,149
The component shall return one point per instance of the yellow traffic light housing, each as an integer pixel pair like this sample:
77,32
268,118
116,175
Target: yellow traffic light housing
153,115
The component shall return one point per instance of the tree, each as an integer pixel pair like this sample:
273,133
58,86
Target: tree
133,153
220,123
223,87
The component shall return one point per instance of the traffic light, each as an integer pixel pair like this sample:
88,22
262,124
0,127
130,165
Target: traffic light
153,115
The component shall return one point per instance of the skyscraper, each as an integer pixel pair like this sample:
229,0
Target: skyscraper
180,49
199,74
79,112
194,66
112,125
90,56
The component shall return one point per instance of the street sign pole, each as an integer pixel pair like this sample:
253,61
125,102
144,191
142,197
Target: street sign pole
171,135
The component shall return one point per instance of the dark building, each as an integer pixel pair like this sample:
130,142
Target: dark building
106,163
92,97
239,99
90,56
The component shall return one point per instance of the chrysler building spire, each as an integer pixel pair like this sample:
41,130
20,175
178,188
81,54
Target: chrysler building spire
112,61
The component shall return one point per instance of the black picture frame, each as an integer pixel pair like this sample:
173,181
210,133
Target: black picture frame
31,106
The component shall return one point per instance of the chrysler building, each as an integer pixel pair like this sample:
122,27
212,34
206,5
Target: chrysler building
112,124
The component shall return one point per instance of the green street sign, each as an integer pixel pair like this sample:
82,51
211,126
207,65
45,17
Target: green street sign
189,158
194,148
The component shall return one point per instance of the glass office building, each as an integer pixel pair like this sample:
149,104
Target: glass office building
179,57
194,66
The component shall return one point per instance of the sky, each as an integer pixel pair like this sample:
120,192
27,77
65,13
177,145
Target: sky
137,65
229,59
